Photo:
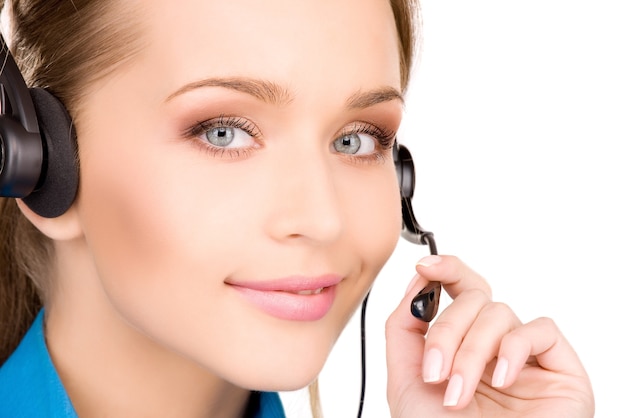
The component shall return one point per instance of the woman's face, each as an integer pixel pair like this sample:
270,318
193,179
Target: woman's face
238,194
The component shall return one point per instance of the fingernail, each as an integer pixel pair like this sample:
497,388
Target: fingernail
453,391
429,260
433,363
411,284
499,373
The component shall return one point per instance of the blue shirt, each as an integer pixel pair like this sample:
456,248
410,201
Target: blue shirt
30,386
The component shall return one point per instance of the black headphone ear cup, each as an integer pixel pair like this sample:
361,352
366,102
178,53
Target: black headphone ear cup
405,169
21,157
59,184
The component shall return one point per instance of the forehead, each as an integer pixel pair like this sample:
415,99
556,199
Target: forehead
342,44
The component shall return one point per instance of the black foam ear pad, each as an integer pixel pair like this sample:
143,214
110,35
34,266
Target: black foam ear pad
59,180
405,170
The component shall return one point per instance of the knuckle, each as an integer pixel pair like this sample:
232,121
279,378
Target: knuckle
498,310
547,323
469,351
442,329
477,294
390,325
469,356
514,338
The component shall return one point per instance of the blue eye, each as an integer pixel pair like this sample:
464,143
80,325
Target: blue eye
355,144
228,137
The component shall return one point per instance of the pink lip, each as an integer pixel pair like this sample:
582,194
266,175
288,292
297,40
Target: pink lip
279,298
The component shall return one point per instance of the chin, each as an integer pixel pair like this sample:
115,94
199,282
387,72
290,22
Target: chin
283,378
280,367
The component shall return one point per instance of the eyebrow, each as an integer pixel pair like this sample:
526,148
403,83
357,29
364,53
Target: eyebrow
263,90
276,94
362,100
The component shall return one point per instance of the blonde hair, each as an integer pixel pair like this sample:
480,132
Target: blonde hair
65,46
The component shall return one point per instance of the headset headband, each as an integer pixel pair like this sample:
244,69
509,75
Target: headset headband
14,89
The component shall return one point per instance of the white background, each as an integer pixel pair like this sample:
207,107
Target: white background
516,116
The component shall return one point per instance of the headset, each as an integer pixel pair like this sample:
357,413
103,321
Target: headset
425,304
39,164
38,157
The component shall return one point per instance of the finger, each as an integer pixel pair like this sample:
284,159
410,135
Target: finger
405,342
479,347
540,338
448,332
453,274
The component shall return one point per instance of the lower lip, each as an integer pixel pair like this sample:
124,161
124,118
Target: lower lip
290,306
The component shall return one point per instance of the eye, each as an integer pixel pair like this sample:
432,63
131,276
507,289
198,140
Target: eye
228,137
231,136
355,144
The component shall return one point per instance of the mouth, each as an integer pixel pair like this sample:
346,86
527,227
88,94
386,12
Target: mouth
310,292
294,298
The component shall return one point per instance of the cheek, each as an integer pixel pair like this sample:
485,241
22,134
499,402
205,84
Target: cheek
373,222
153,226
372,211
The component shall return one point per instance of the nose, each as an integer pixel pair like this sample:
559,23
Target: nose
305,203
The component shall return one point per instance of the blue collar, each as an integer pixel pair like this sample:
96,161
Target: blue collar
30,385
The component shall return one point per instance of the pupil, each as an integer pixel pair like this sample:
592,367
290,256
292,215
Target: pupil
345,141
221,132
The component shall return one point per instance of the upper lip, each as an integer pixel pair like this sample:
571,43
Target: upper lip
295,283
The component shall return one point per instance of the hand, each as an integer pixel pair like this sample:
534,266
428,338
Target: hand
478,359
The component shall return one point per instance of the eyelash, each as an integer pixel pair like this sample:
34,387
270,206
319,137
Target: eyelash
385,138
200,128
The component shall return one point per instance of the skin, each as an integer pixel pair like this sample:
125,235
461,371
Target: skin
543,377
143,299
163,225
